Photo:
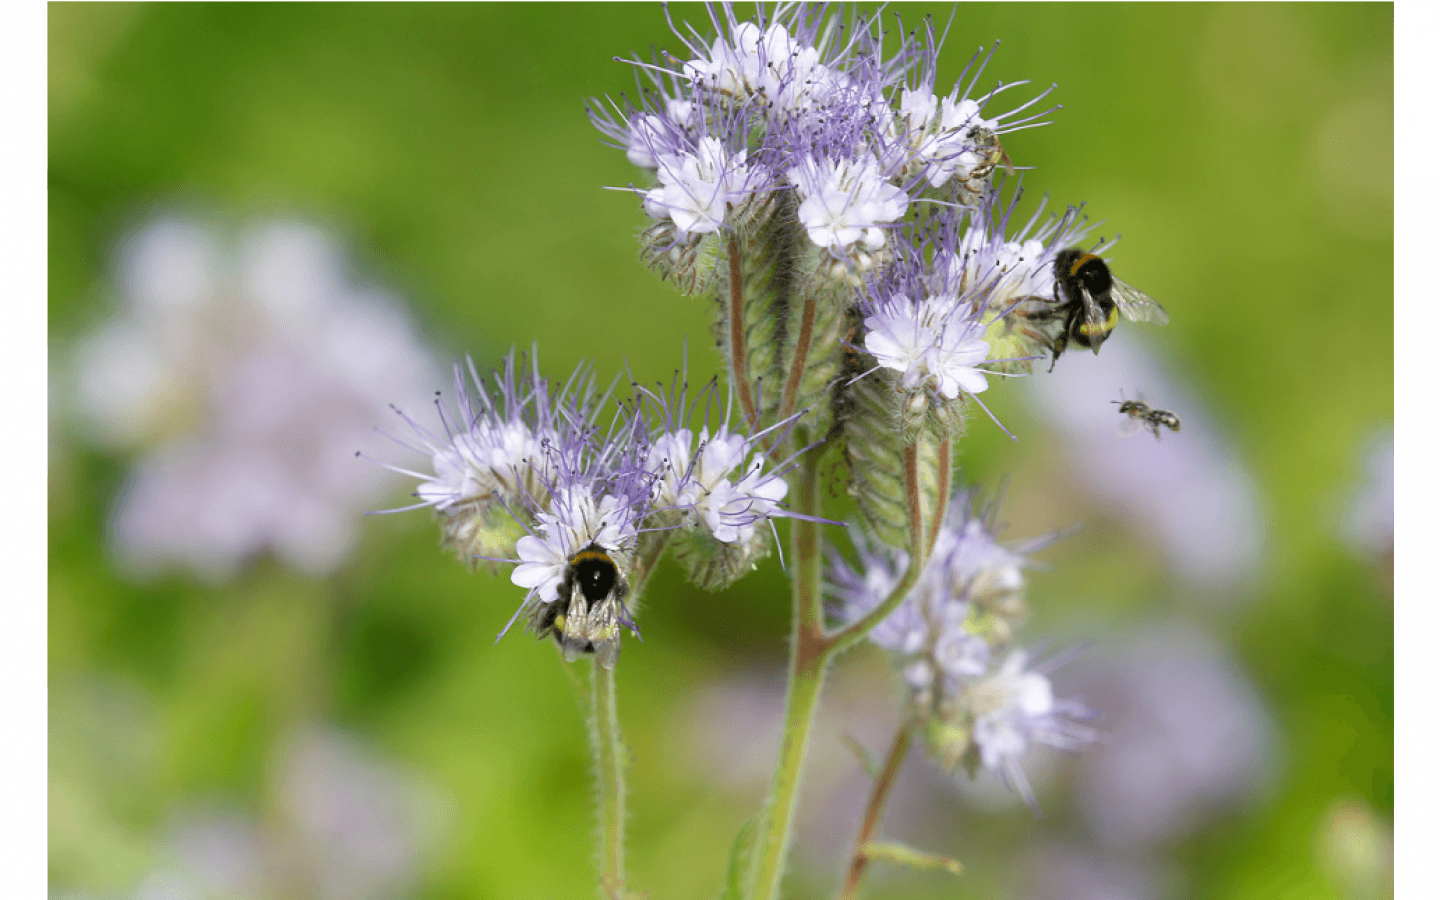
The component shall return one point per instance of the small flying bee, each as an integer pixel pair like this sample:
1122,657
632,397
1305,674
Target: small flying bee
1144,416
588,610
1088,304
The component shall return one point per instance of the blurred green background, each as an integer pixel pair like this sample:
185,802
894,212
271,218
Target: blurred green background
1243,150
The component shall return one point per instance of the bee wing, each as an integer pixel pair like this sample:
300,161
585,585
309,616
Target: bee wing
1137,306
1131,426
1094,318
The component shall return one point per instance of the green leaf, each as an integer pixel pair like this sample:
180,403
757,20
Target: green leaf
739,861
891,852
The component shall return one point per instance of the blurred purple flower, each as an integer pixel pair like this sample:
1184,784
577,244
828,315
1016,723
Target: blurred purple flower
246,373
1186,737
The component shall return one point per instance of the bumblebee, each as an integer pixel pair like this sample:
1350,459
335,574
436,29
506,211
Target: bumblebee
1087,305
588,609
1144,416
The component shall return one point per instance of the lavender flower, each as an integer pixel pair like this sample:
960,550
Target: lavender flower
698,188
1016,706
243,369
945,636
707,486
523,473
786,104
934,344
495,455
844,202
702,481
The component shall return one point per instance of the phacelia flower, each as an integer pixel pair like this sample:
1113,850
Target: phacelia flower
844,202
496,453
934,344
946,637
941,627
698,188
704,480
1016,706
575,521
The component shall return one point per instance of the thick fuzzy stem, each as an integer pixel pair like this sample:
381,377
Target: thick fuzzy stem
609,755
876,808
808,659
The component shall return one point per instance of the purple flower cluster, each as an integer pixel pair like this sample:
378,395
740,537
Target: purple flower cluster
948,636
522,471
798,102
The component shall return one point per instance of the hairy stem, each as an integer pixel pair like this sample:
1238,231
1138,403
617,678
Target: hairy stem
942,495
609,752
808,659
839,640
802,355
875,809
739,375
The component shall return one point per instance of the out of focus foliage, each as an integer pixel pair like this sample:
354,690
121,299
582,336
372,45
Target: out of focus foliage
1243,150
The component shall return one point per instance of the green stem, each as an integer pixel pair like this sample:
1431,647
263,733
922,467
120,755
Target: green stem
808,659
876,808
609,751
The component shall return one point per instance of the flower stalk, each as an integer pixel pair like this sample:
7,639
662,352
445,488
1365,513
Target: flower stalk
875,808
808,659
608,749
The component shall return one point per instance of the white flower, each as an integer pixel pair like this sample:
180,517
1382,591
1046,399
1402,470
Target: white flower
843,202
944,139
670,461
697,188
784,75
933,344
1015,707
731,511
499,462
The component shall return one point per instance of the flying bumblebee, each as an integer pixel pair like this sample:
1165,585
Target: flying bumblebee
587,613
1087,304
1144,416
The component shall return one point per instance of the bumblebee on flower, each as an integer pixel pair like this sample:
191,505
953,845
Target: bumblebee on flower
523,473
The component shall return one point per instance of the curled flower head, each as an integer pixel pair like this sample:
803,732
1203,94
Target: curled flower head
940,627
703,484
495,452
709,478
954,139
801,104
946,637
